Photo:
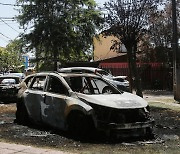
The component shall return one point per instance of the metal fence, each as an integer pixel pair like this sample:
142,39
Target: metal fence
153,75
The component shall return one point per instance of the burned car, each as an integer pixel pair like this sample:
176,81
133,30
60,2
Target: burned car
9,86
75,102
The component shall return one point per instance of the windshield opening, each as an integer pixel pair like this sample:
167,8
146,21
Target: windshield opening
90,85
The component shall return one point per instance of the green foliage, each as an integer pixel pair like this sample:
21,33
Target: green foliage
156,46
160,27
59,29
128,20
10,57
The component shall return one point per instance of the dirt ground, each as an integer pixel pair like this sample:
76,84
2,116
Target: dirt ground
164,110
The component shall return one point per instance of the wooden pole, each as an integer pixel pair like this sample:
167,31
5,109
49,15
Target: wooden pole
176,55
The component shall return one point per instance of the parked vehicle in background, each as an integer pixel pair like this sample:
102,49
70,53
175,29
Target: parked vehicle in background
120,82
20,75
74,102
9,86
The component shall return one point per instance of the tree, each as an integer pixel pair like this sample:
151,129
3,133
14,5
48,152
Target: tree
128,21
160,34
156,45
3,55
160,27
10,57
59,28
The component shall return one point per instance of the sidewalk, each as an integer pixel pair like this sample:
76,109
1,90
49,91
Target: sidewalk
10,148
161,98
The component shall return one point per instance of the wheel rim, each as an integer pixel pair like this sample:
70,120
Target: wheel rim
108,91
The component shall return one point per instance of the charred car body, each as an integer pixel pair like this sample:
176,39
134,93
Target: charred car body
74,102
9,86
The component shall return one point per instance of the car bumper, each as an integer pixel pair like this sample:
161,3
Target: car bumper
136,125
127,129
8,97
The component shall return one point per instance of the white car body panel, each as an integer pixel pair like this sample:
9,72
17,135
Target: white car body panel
120,101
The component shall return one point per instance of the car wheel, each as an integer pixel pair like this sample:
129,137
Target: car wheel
107,90
80,125
21,114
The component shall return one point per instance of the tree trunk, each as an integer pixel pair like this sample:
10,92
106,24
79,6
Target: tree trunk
130,71
136,76
133,70
37,61
55,60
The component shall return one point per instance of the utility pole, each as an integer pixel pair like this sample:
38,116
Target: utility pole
176,55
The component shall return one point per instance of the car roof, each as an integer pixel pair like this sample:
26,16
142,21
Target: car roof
9,76
78,74
93,69
71,74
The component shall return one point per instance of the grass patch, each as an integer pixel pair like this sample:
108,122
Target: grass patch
165,104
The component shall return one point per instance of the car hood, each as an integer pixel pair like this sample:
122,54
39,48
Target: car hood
119,101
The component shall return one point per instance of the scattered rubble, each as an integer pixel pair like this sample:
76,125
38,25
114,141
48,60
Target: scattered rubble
167,124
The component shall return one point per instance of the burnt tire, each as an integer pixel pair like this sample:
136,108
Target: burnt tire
22,116
80,125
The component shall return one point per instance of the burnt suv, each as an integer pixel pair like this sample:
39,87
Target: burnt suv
75,102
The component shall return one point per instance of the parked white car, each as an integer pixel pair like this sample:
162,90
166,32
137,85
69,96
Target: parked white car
119,81
20,75
74,102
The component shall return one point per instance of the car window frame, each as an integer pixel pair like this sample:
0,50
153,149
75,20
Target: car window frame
33,80
114,88
60,80
29,80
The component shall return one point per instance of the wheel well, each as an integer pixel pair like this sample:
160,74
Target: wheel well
73,114
106,87
77,112
80,125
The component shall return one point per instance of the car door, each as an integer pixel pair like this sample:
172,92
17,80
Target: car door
53,108
34,96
